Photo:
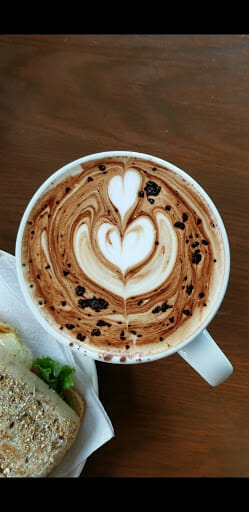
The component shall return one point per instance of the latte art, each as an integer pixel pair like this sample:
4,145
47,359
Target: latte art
131,249
123,256
122,191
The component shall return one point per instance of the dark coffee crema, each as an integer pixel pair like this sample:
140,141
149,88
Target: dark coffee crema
123,257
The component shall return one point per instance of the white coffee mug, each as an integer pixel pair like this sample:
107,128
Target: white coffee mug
200,349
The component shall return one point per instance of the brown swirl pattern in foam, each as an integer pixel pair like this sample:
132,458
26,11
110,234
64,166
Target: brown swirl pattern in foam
154,304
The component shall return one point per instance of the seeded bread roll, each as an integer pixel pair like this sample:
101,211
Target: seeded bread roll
37,427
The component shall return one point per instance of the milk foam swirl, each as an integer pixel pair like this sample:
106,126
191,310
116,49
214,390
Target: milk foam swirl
123,256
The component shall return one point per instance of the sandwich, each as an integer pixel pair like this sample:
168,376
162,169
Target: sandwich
40,411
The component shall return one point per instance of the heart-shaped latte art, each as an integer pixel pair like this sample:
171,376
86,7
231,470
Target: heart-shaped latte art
123,191
128,251
133,248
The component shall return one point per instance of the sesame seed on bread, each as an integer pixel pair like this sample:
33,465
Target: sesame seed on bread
37,427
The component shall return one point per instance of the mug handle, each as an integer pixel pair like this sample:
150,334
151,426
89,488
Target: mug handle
204,355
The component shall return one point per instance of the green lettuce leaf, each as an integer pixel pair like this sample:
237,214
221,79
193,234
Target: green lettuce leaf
56,376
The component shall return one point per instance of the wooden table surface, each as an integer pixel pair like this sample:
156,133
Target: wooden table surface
184,98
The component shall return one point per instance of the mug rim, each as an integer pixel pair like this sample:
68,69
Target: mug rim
95,354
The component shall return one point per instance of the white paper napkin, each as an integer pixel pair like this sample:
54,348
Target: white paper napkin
96,428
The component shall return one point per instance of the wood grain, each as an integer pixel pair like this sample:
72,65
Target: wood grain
183,98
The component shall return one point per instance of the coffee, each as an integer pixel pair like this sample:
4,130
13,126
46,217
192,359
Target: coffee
123,256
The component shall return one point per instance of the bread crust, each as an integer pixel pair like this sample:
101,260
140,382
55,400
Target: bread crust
37,427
